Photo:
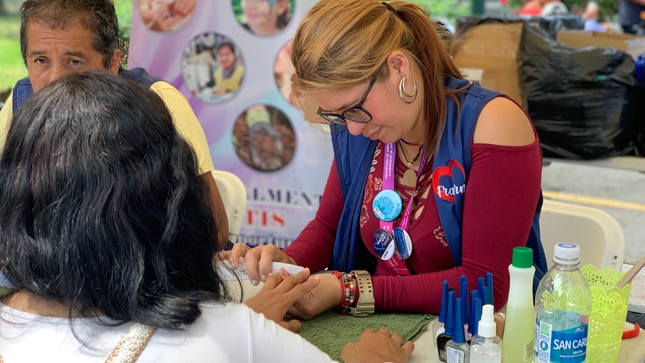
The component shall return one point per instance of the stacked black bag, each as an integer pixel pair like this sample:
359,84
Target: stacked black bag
584,103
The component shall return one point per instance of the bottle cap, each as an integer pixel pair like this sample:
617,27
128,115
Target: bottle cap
566,253
481,289
472,322
490,293
487,326
444,302
522,257
463,294
450,314
458,334
478,315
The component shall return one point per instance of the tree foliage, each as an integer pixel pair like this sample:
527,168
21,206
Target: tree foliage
449,9
124,13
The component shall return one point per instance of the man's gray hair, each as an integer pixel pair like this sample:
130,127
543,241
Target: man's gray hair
98,16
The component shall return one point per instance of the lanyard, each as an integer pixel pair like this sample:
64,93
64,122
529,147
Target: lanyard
398,236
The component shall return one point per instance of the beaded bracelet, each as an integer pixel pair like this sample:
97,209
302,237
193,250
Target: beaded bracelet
339,275
348,290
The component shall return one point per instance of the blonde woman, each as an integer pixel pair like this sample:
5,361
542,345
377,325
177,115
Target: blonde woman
433,177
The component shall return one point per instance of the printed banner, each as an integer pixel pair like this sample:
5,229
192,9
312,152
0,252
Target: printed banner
231,59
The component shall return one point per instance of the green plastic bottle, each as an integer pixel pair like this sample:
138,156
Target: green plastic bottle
520,314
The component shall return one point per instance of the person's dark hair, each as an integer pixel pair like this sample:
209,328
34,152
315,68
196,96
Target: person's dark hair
283,19
101,206
98,16
226,44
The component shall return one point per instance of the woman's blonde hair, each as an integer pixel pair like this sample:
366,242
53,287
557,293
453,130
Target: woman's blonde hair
342,43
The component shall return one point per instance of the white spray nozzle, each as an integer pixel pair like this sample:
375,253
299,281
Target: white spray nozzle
487,326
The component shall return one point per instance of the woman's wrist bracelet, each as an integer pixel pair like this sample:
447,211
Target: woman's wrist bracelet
348,292
339,275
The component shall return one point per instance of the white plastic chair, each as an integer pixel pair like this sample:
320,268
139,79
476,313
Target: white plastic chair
599,236
233,195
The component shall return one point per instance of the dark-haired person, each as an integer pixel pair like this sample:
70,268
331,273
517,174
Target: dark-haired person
433,177
631,14
63,36
228,76
106,228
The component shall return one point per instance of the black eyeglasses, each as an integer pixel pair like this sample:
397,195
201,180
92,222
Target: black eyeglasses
355,113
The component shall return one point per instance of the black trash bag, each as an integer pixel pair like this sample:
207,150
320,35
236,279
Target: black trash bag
583,102
466,22
551,24
554,23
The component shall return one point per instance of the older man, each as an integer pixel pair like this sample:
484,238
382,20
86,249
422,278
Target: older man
63,36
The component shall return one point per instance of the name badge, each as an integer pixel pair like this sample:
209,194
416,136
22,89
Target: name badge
387,205
403,242
384,244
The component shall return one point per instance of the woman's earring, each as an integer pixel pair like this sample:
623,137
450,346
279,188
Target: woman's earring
403,94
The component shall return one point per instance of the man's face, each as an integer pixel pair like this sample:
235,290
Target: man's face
52,53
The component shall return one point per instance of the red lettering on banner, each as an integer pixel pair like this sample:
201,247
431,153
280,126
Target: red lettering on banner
265,219
278,219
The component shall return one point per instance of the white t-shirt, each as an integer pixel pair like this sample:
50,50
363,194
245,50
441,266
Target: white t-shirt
224,333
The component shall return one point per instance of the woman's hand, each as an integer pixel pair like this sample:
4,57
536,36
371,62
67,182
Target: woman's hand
258,260
325,296
280,291
381,346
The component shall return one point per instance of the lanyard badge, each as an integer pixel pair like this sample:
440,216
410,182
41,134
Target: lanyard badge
403,242
391,242
384,244
387,205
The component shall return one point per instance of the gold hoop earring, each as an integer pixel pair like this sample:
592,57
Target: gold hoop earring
403,94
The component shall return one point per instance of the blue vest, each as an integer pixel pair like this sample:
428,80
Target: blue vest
23,89
452,163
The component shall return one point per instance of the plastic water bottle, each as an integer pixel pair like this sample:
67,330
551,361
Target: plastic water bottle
562,307
518,330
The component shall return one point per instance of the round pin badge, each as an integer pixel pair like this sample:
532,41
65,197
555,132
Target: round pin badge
384,244
387,205
403,242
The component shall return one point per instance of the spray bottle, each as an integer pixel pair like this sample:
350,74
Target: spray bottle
486,347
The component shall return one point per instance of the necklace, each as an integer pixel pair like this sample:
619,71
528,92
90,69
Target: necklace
412,143
410,176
